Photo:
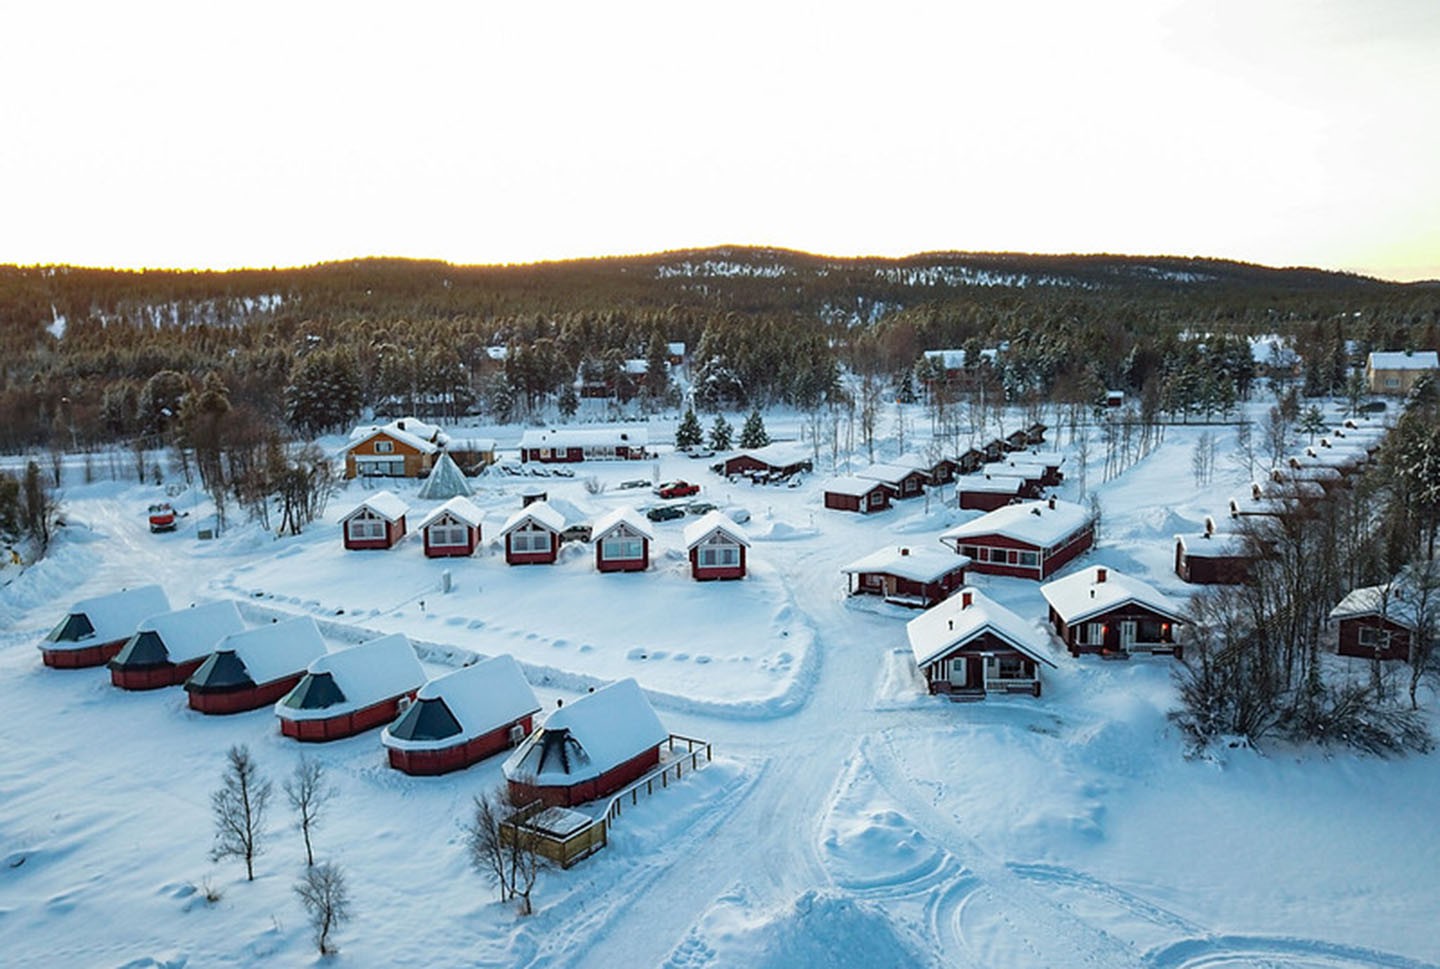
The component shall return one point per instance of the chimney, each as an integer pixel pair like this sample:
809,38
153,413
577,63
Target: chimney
1209,526
1052,503
1100,574
400,425
559,703
904,551
967,599
951,622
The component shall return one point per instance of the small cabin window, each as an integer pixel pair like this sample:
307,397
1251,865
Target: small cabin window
384,447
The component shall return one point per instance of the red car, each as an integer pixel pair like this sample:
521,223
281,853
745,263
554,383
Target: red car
676,489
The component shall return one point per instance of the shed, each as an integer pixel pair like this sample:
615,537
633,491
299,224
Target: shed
352,690
1212,558
168,647
1377,622
622,541
717,547
462,717
377,522
915,577
1100,610
1029,540
988,491
969,646
453,529
255,667
588,748
94,630
532,535
851,493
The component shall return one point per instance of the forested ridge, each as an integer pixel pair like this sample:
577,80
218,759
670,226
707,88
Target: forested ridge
84,347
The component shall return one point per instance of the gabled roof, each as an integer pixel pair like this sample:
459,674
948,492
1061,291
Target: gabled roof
855,487
713,521
478,698
1081,595
626,516
891,474
1035,523
275,650
116,615
988,483
445,480
386,504
187,634
629,435
423,437
587,737
538,512
1215,545
915,564
945,628
1051,459
1404,360
461,509
1018,466
779,454
1399,599
363,675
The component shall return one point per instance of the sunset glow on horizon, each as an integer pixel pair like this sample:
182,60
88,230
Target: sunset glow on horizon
169,135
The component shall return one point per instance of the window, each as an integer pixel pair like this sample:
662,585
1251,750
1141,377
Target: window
1373,638
1030,559
873,580
618,547
530,541
1090,634
1011,668
875,500
365,528
1392,381
384,447
448,533
382,469
720,556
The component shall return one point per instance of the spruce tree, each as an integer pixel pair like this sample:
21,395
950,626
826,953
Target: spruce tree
689,434
720,434
753,434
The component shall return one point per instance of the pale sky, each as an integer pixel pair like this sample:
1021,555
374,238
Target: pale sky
196,134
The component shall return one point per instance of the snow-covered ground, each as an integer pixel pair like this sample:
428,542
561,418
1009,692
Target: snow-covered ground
847,820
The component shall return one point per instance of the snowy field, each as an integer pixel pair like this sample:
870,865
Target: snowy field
847,820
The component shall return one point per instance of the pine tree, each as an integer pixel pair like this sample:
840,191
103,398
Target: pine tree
720,434
689,434
753,434
568,402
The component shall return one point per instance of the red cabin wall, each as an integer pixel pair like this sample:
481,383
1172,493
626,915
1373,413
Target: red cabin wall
345,724
154,677
607,783
709,573
602,564
1350,639
239,701
844,502
77,659
1076,547
472,539
428,763
984,500
533,558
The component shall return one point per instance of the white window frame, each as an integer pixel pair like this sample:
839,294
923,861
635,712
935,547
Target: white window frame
719,556
365,527
622,548
384,447
529,541
449,534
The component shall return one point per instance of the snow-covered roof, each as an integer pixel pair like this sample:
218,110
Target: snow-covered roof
1017,466
637,366
1099,589
189,634
778,454
365,675
999,484
1396,599
538,512
915,564
919,462
481,697
1041,524
891,474
953,359
1051,459
423,437
114,616
675,349
276,650
631,435
1214,545
849,484
386,504
615,518
713,521
587,737
445,480
945,627
1404,360
461,509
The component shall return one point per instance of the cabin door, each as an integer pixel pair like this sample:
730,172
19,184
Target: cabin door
1127,635
965,673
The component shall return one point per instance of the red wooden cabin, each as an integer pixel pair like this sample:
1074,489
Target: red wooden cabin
1377,622
782,459
903,482
986,491
453,529
256,667
849,493
94,630
377,522
1212,558
167,648
1030,540
462,717
717,547
352,690
969,646
588,748
532,535
1099,610
622,541
915,577
566,445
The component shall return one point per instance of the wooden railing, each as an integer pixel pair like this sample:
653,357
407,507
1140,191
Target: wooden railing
694,749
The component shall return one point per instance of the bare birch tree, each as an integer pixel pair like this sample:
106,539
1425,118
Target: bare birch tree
239,808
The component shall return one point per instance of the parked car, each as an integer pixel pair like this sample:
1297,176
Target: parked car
699,507
699,453
738,515
634,483
162,517
576,533
676,489
665,513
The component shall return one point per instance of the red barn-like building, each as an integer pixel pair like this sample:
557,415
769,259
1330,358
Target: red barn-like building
532,535
353,690
94,630
589,748
1212,558
167,648
462,717
717,547
1030,540
986,491
622,541
1378,621
453,529
1099,610
567,445
256,667
377,522
849,493
903,482
969,646
916,577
